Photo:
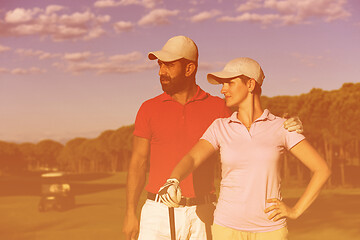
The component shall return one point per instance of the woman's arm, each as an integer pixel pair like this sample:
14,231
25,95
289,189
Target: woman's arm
197,155
170,193
320,173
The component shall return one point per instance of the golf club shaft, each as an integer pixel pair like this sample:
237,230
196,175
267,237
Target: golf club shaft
172,223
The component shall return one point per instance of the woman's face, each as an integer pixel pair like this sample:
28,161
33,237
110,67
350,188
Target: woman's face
235,92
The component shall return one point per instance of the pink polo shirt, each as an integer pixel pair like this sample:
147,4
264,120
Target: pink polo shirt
250,169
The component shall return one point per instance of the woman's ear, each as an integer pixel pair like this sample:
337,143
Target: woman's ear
251,85
190,68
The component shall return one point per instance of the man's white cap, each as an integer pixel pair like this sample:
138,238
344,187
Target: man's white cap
237,67
176,48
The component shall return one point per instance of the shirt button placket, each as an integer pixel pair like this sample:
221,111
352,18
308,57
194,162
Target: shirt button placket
183,115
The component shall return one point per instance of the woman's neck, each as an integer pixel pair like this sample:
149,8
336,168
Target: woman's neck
250,110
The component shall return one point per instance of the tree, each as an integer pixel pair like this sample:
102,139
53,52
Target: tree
70,156
47,152
121,140
28,150
11,158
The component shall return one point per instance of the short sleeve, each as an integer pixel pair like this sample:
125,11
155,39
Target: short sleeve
210,135
142,122
292,138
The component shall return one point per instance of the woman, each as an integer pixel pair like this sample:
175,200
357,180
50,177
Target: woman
251,142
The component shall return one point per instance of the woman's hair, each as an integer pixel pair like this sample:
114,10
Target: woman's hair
257,89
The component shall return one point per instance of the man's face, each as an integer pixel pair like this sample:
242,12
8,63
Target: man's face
172,76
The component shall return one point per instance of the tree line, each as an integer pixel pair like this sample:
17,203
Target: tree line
330,124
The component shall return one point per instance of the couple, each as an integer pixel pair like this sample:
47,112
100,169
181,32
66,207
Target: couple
170,125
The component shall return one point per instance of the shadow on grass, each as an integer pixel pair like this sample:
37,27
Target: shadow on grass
76,206
29,184
327,212
87,205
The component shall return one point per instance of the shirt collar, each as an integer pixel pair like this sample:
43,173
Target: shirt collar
199,95
266,115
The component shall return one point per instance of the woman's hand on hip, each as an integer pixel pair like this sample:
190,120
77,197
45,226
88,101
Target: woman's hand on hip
280,210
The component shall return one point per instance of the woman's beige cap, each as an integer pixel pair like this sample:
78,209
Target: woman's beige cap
176,48
237,67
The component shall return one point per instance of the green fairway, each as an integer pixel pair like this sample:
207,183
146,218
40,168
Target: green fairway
100,206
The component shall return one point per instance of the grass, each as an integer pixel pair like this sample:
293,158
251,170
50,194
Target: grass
100,207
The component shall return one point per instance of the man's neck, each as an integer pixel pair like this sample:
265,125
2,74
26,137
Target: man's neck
185,95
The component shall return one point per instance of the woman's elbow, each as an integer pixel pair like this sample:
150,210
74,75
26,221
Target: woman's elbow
328,172
324,172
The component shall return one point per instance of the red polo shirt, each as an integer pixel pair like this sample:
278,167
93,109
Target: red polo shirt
173,129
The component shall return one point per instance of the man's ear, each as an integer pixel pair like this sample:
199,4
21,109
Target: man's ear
190,68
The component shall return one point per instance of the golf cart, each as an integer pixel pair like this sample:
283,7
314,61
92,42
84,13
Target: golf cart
56,192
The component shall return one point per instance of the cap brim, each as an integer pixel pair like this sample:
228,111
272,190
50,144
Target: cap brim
163,56
219,77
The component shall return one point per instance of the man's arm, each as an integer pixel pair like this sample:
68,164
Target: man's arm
135,184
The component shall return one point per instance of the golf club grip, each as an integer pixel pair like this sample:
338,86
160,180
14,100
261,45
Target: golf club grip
172,223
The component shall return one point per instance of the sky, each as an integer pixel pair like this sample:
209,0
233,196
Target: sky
77,68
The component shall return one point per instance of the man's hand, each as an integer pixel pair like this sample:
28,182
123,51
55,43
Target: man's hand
294,124
170,193
131,227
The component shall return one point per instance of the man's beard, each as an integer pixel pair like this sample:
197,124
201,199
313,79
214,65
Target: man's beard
175,85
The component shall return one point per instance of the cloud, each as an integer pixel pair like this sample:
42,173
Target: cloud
50,22
86,61
196,2
151,3
203,16
76,18
3,70
287,12
94,33
252,17
121,58
20,15
123,26
158,17
36,53
128,68
23,71
328,10
81,56
53,8
77,63
113,3
249,5
4,48
46,55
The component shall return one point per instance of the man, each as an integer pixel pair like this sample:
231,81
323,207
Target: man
166,128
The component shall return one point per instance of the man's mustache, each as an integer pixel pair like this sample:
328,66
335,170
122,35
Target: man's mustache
164,78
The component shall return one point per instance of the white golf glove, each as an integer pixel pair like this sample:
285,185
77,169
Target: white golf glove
294,124
170,193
